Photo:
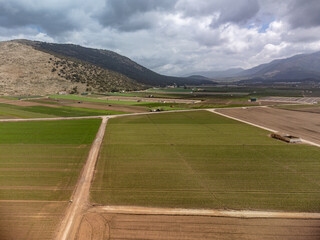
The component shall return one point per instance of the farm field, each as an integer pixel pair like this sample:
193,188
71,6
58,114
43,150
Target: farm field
40,111
103,225
202,160
95,99
39,164
294,120
315,108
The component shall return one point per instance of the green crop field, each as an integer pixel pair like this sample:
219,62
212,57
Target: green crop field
13,111
97,100
39,165
202,160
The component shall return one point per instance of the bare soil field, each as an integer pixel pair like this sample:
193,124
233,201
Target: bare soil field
302,100
104,225
301,124
30,219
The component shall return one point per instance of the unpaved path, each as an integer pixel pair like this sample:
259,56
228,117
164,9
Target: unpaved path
80,196
203,212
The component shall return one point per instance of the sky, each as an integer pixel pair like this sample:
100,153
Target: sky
172,37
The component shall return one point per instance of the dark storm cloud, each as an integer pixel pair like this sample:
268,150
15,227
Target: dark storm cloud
304,14
238,12
222,11
15,15
129,15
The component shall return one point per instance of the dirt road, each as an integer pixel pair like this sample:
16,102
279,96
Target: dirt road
204,212
80,196
302,124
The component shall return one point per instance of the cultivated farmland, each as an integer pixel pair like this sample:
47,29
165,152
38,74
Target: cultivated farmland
40,163
202,160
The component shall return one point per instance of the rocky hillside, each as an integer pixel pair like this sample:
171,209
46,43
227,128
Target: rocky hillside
25,70
112,61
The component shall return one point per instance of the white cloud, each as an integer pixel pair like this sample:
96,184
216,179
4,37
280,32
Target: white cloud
171,37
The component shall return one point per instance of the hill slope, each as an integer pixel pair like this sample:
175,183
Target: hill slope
298,67
38,68
27,71
112,61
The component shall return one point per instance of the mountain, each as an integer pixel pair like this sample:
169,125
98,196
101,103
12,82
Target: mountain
112,61
301,67
219,74
38,68
296,68
198,77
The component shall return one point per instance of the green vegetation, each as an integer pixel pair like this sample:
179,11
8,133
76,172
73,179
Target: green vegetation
202,160
40,161
7,111
43,155
253,91
178,89
49,132
88,99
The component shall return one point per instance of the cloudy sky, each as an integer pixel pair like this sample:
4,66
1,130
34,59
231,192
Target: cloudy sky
173,37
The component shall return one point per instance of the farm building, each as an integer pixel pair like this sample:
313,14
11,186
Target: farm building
286,138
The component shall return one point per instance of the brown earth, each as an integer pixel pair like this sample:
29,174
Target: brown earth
302,124
107,226
26,71
21,219
303,108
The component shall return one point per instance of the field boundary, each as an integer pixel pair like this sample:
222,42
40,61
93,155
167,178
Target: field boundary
204,212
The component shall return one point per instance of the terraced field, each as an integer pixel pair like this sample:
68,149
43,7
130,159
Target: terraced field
202,160
39,166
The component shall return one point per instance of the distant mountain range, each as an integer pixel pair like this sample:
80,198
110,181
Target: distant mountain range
302,67
36,68
112,61
218,74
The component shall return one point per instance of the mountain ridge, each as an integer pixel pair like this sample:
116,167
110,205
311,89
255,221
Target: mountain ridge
300,67
113,61
38,68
